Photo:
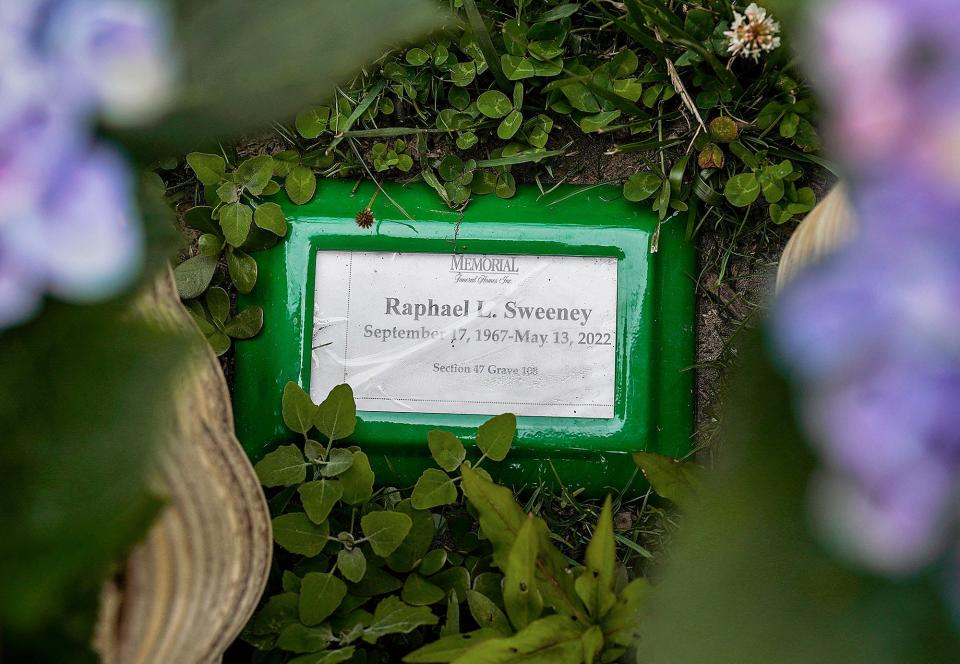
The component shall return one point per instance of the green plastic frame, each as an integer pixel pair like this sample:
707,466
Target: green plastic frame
655,336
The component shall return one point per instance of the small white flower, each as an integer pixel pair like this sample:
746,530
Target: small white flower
752,33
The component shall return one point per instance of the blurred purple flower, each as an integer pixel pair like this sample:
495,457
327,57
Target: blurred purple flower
68,220
871,334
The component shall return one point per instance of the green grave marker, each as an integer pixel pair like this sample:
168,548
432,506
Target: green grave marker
557,312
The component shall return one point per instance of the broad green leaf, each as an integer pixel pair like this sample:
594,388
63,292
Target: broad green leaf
450,647
336,417
551,640
210,244
296,533
209,168
676,481
290,582
312,121
510,125
416,56
417,542
242,268
621,625
318,498
357,481
789,125
741,190
320,595
641,186
392,616
193,276
254,173
559,12
298,409
595,583
446,449
228,192
433,562
486,613
269,217
521,595
284,466
385,530
500,520
327,657
771,186
300,638
338,462
768,115
495,436
580,97
491,585
592,642
376,582
455,579
300,184
201,218
494,104
434,488
352,564
235,220
517,67
246,324
277,612
417,591
597,121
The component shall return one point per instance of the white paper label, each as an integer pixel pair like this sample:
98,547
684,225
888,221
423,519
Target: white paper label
467,333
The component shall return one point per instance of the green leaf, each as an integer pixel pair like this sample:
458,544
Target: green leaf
300,638
296,533
328,657
450,647
392,616
551,640
319,497
592,642
742,190
500,521
357,481
446,449
417,591
235,220
312,121
338,462
596,122
494,104
320,595
641,186
416,56
510,125
580,97
789,125
254,173
208,167
375,582
269,217
768,115
521,596
455,580
228,192
385,530
246,324
277,612
193,276
452,624
300,184
298,409
336,417
595,583
675,481
434,488
284,466
210,244
517,68
417,542
486,613
559,12
495,436
433,562
622,623
352,564
242,268
201,218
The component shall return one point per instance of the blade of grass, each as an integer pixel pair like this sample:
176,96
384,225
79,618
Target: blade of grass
479,29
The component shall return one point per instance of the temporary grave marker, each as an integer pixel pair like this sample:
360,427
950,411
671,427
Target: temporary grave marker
556,312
